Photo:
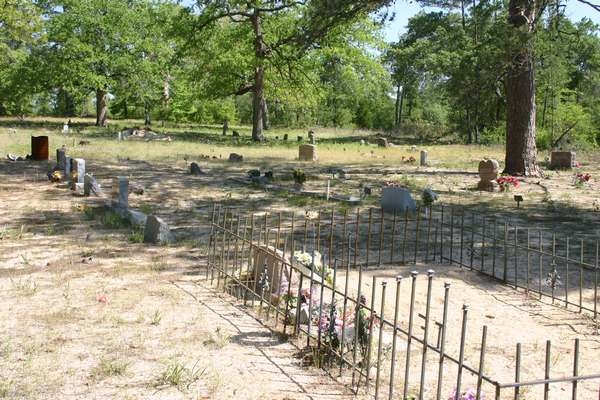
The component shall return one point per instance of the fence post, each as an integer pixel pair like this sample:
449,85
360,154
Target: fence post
518,371
379,344
426,332
547,370
413,275
481,362
461,355
394,339
443,341
575,369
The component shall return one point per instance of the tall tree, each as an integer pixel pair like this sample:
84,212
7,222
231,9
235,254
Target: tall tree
96,45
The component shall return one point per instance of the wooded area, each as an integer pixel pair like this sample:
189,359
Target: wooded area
473,71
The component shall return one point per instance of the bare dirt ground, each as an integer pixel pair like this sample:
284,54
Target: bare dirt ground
87,314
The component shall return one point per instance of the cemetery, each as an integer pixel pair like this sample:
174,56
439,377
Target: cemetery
300,200
456,285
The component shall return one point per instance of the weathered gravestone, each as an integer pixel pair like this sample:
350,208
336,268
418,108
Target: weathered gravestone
120,192
67,170
77,172
157,231
234,157
195,169
285,137
91,186
562,160
61,158
423,161
270,261
307,152
311,137
488,173
397,199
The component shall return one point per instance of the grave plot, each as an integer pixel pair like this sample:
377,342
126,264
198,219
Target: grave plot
333,281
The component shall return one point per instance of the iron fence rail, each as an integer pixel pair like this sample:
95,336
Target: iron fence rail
376,238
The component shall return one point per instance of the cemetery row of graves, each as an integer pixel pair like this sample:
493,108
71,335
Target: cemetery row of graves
365,291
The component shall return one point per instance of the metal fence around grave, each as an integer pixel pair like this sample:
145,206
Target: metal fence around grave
381,360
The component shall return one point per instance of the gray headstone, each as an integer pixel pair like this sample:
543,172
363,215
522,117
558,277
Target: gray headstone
61,158
195,169
157,231
91,186
120,192
67,169
423,160
397,199
120,136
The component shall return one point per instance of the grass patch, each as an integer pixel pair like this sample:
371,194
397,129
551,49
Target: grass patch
111,367
112,220
178,375
156,318
137,235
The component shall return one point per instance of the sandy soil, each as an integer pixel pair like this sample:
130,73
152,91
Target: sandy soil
87,314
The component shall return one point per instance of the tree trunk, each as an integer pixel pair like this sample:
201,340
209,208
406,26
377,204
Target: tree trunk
101,107
399,101
266,122
259,74
521,152
147,117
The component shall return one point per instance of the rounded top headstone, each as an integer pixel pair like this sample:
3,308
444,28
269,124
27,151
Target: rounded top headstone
488,170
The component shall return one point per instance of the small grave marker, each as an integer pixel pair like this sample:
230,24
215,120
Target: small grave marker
157,231
562,160
397,199
307,152
488,173
120,192
77,172
423,161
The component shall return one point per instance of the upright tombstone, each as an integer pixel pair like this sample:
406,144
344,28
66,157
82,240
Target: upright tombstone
61,159
562,160
120,192
77,172
271,261
39,148
488,173
285,137
67,169
423,160
311,137
307,152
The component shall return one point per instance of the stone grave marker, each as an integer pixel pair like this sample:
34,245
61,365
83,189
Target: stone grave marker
61,159
488,173
157,231
562,160
90,185
77,172
234,157
397,199
270,258
67,169
195,169
423,161
307,152
311,137
120,192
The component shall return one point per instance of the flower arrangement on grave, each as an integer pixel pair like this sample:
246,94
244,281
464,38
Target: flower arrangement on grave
307,259
469,394
299,176
580,179
507,182
409,160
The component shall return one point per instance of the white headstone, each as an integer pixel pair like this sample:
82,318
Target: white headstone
65,129
77,172
397,199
